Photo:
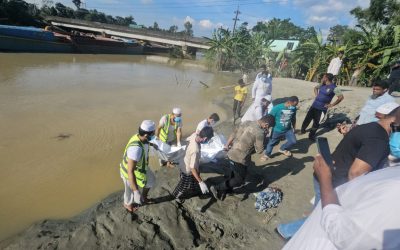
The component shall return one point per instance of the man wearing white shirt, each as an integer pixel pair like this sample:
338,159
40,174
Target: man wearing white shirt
262,85
209,122
379,96
134,170
258,109
361,214
335,64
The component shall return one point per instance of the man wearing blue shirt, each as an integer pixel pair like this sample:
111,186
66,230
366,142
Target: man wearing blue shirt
324,94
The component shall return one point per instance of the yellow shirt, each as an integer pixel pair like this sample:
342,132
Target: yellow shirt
240,93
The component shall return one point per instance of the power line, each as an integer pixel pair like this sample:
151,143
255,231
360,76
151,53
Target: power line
237,12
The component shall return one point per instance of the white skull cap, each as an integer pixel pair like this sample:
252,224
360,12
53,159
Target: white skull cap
148,125
176,111
386,108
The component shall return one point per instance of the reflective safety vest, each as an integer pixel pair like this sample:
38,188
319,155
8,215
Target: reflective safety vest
141,166
165,129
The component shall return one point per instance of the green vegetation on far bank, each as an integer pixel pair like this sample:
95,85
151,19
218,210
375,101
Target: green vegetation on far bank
369,48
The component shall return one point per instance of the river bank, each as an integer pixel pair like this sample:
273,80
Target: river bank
201,222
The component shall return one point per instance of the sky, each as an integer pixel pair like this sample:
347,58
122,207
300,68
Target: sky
206,15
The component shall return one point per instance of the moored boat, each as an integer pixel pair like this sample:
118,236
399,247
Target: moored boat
30,39
103,45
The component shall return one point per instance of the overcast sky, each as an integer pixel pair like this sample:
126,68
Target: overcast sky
206,15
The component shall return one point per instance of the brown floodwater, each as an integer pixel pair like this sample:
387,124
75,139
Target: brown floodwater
65,120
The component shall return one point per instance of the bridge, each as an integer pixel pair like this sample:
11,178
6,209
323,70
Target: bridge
188,44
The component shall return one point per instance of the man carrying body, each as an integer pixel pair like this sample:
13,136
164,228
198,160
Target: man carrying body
190,182
258,110
209,122
169,129
285,124
324,94
247,138
134,169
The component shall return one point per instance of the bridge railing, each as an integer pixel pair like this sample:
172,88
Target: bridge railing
160,34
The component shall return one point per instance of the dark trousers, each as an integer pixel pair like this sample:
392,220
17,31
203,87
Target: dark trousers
237,108
394,85
314,115
234,178
187,187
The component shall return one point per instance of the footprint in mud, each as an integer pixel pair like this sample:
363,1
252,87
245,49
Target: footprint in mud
62,136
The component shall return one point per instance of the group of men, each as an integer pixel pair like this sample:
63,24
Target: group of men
134,167
365,147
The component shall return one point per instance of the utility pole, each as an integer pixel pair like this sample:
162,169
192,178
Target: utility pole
237,12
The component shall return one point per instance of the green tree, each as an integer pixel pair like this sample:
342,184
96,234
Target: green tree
173,29
188,28
155,26
77,4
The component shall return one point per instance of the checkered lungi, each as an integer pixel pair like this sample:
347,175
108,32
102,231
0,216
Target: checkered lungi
187,186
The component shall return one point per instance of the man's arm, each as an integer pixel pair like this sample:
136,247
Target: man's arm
359,167
259,143
336,220
253,89
131,176
338,100
244,99
196,175
324,176
316,89
178,135
157,133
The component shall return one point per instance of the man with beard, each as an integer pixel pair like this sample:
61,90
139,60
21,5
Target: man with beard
249,137
379,96
134,169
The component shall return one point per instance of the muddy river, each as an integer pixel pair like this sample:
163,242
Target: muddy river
65,120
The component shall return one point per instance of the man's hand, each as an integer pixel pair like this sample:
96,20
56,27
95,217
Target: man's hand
328,105
203,187
137,197
321,169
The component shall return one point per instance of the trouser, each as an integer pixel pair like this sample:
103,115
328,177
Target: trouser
187,186
237,108
314,115
234,178
277,137
395,86
128,193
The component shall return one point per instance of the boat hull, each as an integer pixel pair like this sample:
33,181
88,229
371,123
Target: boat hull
20,44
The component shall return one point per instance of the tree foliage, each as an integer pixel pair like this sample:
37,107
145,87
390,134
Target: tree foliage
19,12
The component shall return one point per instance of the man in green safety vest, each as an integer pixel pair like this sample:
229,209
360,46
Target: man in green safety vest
169,129
134,169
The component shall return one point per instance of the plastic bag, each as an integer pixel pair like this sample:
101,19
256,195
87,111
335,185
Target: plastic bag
166,152
213,150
